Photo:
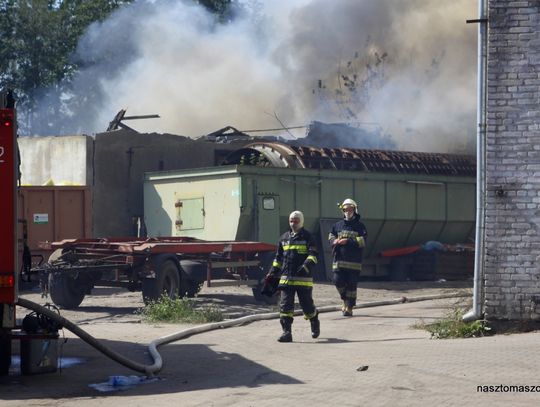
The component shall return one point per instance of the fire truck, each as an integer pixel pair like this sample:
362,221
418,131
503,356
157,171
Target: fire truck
8,222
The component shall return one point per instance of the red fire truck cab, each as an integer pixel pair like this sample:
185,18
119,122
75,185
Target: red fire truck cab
8,230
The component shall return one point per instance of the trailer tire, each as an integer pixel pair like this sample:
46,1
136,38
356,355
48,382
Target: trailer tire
265,263
167,281
65,291
192,277
189,288
5,351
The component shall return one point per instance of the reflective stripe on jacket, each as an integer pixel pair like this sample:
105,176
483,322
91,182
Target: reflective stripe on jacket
295,259
349,255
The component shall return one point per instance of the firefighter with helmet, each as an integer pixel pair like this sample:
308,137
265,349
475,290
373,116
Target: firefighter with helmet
348,239
294,264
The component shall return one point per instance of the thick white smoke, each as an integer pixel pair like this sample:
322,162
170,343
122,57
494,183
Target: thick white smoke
407,66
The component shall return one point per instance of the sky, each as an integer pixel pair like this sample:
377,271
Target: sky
404,67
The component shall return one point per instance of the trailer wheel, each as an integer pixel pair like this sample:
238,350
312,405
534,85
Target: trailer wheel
192,277
66,291
265,263
166,282
5,351
189,288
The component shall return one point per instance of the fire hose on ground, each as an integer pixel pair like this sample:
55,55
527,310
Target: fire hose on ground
154,368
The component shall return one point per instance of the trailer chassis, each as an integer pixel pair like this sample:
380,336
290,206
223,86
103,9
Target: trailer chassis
175,266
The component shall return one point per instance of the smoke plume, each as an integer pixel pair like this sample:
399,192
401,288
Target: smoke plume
404,67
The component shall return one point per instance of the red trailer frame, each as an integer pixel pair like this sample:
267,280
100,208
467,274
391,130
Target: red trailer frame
137,263
155,245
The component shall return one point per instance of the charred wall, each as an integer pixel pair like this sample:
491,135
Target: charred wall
120,160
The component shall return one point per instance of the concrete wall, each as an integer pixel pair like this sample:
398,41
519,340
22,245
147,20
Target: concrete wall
122,157
512,263
65,160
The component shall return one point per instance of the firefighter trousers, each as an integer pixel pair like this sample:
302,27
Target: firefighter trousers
305,297
346,281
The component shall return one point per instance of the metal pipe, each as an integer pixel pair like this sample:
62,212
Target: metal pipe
476,311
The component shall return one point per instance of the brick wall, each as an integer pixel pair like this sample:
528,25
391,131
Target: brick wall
512,261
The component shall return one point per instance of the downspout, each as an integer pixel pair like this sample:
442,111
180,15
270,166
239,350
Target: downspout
476,312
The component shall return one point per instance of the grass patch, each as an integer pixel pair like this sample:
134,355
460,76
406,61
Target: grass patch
180,310
453,326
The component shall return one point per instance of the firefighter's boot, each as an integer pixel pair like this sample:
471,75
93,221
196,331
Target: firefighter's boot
347,312
315,326
286,324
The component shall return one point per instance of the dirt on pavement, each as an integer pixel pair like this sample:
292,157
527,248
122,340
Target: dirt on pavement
119,305
228,365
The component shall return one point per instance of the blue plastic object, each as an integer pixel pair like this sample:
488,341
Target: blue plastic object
124,380
433,245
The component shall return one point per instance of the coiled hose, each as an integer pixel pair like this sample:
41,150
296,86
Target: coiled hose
154,368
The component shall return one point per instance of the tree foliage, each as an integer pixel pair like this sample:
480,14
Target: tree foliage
38,38
37,53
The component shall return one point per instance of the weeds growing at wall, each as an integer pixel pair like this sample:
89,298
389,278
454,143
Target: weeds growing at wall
453,326
180,310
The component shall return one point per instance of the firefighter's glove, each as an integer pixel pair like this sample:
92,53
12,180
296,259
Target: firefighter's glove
270,285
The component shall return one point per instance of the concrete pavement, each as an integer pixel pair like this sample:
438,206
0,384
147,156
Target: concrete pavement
246,366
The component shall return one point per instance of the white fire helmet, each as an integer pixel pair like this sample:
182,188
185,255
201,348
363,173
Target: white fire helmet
349,201
296,215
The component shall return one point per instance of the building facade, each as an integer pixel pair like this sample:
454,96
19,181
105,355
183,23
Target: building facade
512,228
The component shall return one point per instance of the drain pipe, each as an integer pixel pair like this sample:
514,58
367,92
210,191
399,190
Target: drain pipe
476,312
154,368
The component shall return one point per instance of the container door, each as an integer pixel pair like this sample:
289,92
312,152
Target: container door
39,206
189,214
268,218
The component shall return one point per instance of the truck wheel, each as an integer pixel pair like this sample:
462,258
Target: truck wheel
166,282
66,291
5,352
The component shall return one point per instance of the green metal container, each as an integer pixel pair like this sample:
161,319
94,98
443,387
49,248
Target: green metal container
253,203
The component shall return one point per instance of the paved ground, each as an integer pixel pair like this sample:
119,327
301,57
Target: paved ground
245,366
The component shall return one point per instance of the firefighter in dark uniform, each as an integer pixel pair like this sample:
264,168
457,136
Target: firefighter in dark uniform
347,238
295,260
